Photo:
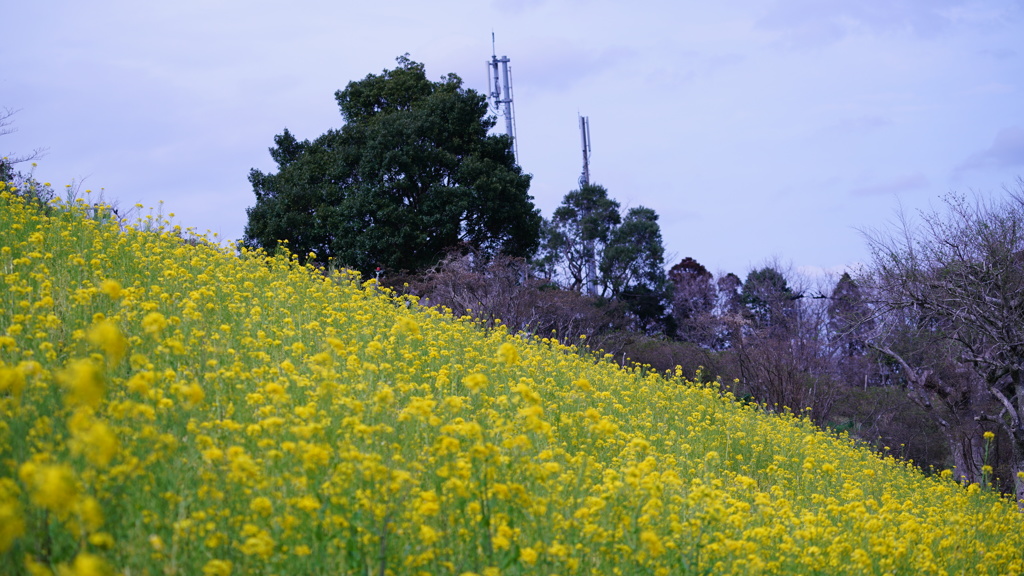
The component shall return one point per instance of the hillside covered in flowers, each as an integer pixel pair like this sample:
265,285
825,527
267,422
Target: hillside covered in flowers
171,407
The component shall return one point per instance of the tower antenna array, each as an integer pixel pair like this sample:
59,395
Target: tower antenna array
590,282
502,93
585,140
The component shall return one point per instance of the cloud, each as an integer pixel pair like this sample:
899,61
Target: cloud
516,6
996,88
811,23
905,183
558,65
857,125
1000,54
1006,151
690,66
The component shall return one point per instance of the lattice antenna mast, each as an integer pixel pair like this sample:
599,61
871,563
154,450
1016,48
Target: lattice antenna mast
501,93
591,272
585,141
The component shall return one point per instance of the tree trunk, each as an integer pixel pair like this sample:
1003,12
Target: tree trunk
1017,469
954,408
967,451
1017,438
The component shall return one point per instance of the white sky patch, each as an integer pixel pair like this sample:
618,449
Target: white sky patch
906,183
1006,151
831,274
753,128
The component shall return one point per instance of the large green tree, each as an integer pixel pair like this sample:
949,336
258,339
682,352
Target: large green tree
412,174
635,254
576,237
590,247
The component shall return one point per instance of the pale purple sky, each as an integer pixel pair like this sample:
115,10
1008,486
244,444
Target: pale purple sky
757,129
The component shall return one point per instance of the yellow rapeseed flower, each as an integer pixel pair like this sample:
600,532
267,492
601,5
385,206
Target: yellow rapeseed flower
508,353
261,545
410,436
407,326
262,506
428,535
429,504
90,514
85,564
651,543
51,486
385,396
96,441
528,556
12,380
12,523
503,537
112,288
475,381
83,383
107,336
307,503
217,568
102,540
154,323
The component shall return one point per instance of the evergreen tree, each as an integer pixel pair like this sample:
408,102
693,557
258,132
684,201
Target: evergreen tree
693,302
849,318
576,236
769,300
411,175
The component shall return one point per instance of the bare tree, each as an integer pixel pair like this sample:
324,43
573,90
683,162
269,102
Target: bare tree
780,345
8,161
960,276
504,288
948,391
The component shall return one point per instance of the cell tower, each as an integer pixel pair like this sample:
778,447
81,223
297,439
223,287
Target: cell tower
585,139
502,93
591,272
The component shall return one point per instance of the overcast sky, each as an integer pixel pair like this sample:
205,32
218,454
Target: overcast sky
757,129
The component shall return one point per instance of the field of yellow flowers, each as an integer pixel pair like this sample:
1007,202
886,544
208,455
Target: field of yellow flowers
174,408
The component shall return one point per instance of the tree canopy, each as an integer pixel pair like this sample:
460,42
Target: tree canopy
576,236
591,247
693,301
769,298
411,175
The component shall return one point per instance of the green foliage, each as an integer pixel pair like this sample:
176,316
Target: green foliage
578,233
626,254
411,175
6,170
693,302
769,299
635,256
38,194
849,317
20,183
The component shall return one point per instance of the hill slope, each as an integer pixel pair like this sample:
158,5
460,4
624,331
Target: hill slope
175,409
